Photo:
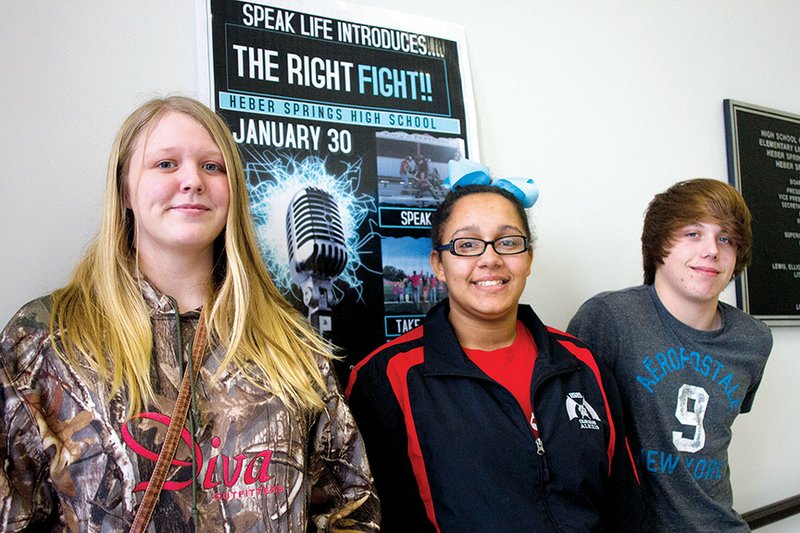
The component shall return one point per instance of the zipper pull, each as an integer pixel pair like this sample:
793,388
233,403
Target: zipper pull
539,446
540,453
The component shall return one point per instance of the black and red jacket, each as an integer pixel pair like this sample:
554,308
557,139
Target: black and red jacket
452,451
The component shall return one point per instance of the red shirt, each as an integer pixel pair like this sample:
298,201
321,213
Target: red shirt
511,367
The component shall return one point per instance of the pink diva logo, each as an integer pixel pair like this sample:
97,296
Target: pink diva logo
254,472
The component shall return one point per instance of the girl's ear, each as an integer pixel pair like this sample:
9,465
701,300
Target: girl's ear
437,266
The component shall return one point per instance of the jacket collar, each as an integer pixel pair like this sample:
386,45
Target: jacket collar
158,303
445,357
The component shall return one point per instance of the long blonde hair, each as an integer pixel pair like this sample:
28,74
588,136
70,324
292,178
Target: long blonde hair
101,316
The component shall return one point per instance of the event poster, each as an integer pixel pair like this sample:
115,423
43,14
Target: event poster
764,165
346,118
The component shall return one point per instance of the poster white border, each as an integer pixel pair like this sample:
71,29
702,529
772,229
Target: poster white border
362,15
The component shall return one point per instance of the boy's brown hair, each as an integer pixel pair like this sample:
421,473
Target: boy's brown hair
689,202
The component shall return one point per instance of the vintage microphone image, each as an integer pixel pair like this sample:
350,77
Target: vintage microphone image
317,252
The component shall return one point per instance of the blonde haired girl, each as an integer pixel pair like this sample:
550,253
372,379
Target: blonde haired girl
91,372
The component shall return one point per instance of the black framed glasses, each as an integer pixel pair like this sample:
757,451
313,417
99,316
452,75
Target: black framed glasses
471,247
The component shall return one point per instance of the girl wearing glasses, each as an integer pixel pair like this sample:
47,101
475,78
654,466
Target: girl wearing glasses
483,418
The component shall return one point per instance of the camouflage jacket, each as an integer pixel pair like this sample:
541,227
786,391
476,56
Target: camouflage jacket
74,461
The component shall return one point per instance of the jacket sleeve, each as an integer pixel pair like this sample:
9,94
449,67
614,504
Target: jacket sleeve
625,499
25,494
596,326
342,493
381,421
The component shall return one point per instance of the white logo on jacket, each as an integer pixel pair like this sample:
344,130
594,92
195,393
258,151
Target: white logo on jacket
578,407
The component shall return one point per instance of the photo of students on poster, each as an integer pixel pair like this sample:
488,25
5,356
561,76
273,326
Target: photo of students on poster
346,118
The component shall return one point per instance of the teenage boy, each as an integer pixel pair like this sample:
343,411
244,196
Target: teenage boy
686,364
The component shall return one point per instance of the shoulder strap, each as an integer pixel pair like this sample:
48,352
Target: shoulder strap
145,512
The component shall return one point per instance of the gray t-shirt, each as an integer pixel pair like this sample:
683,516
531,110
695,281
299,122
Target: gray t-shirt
681,388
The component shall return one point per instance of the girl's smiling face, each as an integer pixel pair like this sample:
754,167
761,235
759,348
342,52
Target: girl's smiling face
177,188
485,287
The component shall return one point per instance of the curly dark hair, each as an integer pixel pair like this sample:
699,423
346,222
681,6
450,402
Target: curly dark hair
445,209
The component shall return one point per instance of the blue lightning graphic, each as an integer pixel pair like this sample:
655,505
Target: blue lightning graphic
273,180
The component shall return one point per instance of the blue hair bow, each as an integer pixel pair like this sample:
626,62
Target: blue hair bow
465,172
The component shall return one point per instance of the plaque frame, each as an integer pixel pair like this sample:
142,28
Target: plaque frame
763,153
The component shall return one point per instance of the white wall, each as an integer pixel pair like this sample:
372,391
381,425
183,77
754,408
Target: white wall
604,103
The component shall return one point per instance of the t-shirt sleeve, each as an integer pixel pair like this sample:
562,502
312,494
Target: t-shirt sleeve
761,353
595,325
